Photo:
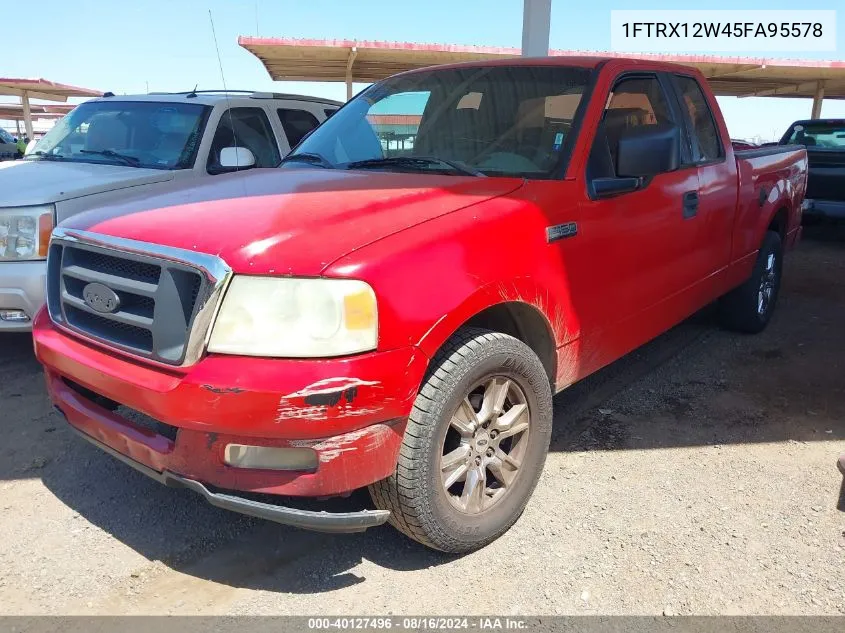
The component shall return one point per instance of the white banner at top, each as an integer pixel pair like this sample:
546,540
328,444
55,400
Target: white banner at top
674,31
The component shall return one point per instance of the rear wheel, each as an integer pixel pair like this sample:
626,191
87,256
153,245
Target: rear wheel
474,446
750,307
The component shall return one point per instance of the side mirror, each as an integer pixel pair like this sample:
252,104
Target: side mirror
648,150
236,158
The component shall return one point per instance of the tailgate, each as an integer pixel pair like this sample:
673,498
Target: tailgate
827,174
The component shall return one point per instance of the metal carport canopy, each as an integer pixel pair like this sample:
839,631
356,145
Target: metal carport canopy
28,89
368,61
14,112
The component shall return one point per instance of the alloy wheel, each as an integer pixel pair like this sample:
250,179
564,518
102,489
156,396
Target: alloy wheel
485,444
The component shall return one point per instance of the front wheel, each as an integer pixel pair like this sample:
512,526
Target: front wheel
474,446
750,307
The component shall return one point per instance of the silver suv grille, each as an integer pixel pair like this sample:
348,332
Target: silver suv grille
151,301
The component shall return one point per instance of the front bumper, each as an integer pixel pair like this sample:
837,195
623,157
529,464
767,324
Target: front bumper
336,522
23,286
352,412
832,209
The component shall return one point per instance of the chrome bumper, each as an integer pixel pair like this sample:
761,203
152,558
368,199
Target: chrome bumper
23,286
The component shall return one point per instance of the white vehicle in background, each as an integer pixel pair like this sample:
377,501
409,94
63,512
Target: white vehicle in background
120,146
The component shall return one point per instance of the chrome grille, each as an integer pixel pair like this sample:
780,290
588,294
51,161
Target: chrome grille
165,297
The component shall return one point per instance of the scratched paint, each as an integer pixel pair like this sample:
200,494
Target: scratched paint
327,456
214,389
354,412
286,411
321,395
333,447
331,385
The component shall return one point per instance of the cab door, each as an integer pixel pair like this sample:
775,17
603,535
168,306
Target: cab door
717,177
638,245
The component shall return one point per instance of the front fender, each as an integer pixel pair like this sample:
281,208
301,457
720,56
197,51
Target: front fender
434,277
521,290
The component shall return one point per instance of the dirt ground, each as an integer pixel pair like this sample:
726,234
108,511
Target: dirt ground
695,476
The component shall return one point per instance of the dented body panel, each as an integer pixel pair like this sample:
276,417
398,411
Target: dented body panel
602,276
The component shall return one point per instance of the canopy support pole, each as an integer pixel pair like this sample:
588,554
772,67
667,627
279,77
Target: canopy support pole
817,101
27,114
536,22
353,52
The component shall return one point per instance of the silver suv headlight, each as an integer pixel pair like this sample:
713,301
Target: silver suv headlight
295,318
25,232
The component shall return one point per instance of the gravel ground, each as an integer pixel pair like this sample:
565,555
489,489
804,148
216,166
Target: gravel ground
696,475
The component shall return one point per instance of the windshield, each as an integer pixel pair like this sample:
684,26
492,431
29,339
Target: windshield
137,133
494,120
822,135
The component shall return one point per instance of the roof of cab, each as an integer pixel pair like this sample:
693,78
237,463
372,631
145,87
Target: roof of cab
587,62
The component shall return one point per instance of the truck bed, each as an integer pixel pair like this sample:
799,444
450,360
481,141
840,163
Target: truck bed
774,176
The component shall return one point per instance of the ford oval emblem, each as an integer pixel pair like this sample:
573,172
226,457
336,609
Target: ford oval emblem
100,298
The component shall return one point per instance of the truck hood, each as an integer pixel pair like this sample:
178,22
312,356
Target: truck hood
29,182
288,221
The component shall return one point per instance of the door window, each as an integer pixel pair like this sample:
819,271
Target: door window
244,127
634,102
296,123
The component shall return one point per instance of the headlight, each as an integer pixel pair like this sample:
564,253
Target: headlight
295,318
25,232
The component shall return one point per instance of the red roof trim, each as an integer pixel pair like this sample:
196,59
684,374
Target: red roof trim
246,41
43,85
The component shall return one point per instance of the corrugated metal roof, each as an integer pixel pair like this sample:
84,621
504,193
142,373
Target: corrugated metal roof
327,60
43,89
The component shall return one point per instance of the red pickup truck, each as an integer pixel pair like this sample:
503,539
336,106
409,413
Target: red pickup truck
396,305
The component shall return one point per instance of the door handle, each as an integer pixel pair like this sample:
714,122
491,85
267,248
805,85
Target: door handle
690,204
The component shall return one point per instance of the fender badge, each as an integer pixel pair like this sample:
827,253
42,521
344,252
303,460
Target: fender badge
561,231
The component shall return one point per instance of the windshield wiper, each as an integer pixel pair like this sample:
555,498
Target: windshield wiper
415,162
307,157
128,160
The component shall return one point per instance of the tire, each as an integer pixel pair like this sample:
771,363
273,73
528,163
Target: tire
743,309
420,504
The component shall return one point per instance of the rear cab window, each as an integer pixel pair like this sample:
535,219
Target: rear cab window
707,142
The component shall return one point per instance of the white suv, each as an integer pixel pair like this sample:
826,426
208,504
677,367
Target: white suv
115,147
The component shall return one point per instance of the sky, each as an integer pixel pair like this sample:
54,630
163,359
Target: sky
132,47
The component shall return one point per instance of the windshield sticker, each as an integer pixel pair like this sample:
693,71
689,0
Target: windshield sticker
799,128
558,141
